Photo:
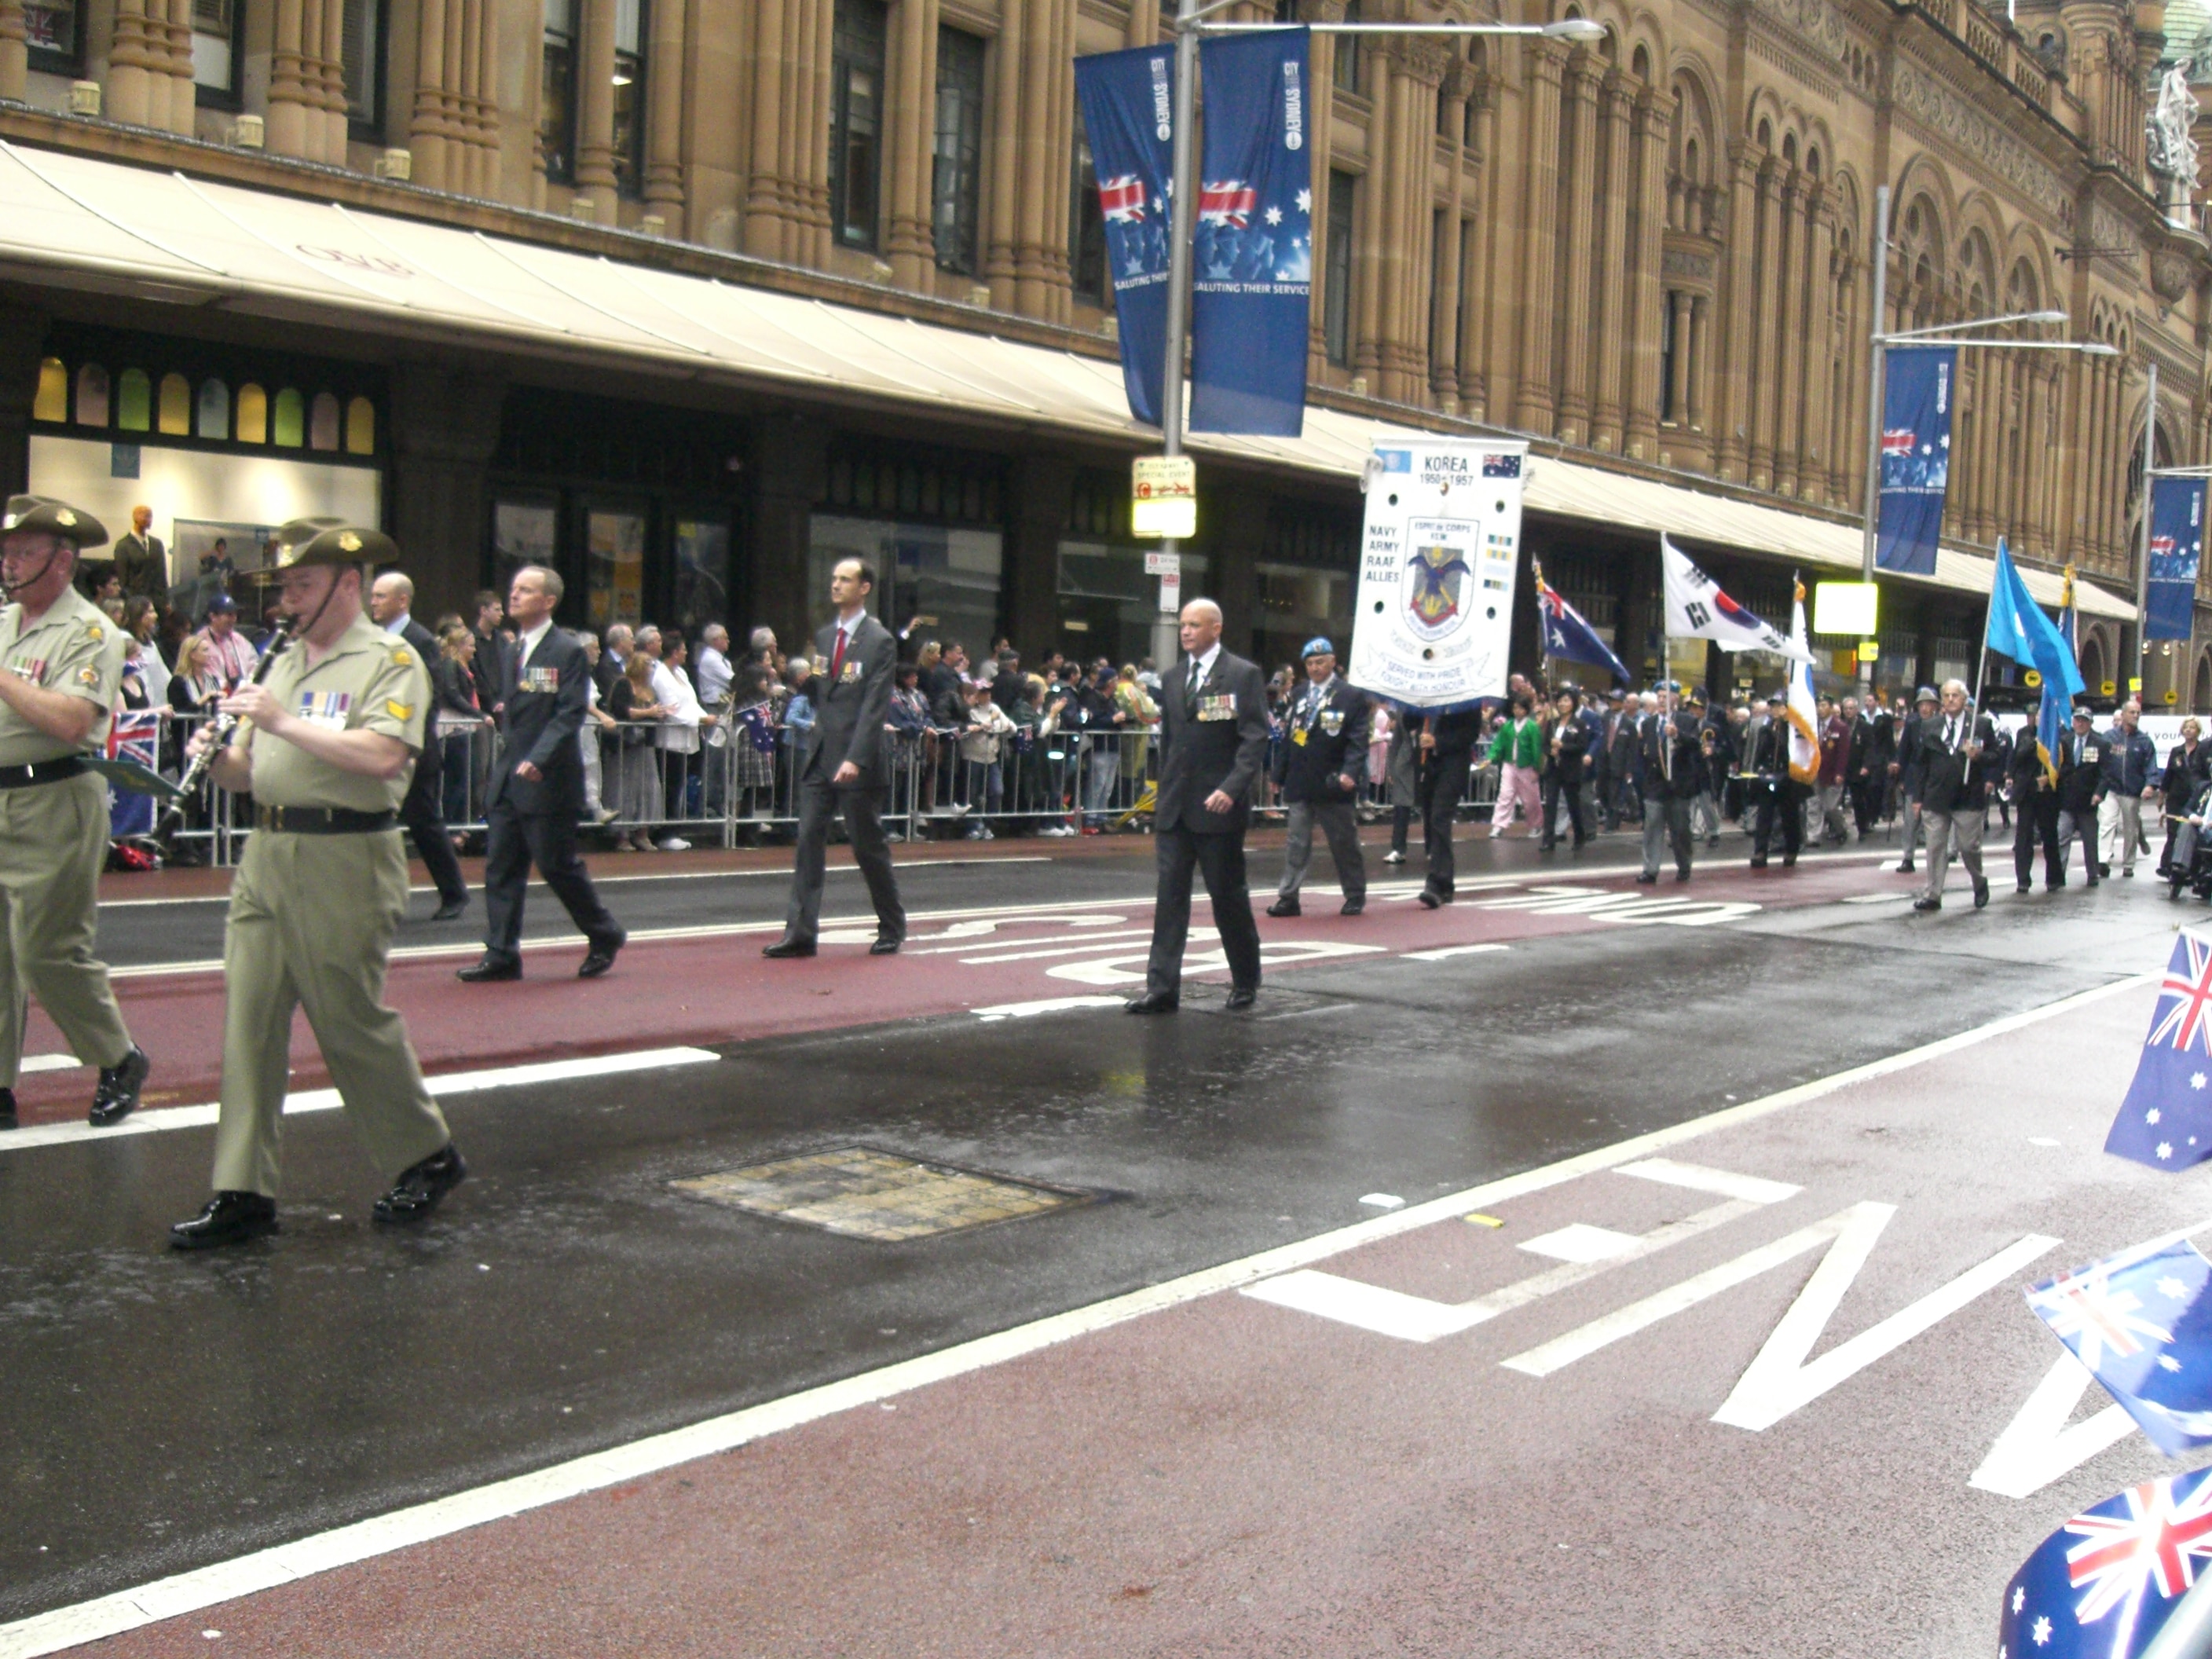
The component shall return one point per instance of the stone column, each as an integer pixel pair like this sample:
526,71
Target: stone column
1320,106
1817,445
1761,371
595,110
1379,209
1535,213
1444,303
482,125
289,79
813,152
445,430
1731,414
663,184
430,128
1675,403
1475,309
1577,251
1612,332
1001,229
127,97
1645,295
911,69
15,50
153,27
184,95
1695,371
1795,219
1043,179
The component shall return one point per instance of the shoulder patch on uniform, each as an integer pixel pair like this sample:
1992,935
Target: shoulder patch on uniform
402,657
397,710
88,675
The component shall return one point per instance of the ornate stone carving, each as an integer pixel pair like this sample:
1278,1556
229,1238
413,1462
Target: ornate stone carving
1940,108
2172,274
1681,262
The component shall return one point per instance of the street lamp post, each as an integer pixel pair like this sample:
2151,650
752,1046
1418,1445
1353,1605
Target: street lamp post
1189,26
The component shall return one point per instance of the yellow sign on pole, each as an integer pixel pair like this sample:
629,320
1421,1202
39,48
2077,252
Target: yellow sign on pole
1869,650
2031,679
1164,497
2172,696
2110,688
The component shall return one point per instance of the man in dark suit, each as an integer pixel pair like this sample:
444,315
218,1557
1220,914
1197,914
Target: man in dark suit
1778,797
843,767
2035,809
536,791
391,601
2081,792
1213,737
1956,769
1318,768
1448,743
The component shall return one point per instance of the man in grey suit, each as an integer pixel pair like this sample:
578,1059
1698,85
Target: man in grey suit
1213,736
842,766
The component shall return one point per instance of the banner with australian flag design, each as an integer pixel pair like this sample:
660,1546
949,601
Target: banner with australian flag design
2165,1121
2103,1585
2176,548
1128,113
1915,457
1252,273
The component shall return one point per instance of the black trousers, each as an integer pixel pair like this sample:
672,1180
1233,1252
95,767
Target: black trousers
2037,820
1446,780
1553,789
424,819
515,840
1221,858
863,811
1784,799
1866,802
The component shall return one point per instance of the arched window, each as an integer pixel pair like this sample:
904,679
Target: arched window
323,423
1640,64
134,401
176,416
215,409
252,414
91,395
52,402
361,427
291,423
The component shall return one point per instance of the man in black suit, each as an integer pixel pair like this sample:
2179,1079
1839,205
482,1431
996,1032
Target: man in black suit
1213,737
422,813
1956,771
537,792
843,767
1448,743
2081,792
1777,795
1318,768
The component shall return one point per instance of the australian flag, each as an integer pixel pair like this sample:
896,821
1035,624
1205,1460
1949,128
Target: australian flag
758,727
2167,1120
2141,1321
1566,635
2104,1583
134,734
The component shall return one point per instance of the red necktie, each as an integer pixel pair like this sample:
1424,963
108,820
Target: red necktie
837,657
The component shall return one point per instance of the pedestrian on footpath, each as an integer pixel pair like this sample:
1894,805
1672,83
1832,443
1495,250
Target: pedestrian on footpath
61,670
842,770
1213,736
537,792
2081,792
1957,767
1672,762
1317,769
327,753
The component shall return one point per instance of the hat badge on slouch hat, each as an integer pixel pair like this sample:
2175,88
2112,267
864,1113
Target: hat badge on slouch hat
42,514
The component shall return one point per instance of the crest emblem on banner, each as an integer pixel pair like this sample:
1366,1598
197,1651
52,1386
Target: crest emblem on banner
1436,590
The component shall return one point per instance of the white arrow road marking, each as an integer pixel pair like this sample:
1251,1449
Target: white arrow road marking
1452,951
1130,969
2038,1446
1779,1381
1699,1178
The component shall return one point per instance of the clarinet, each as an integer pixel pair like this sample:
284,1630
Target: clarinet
223,728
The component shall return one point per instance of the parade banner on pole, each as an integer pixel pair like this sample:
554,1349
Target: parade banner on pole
2177,547
1128,111
1438,557
1252,269
1915,457
1803,708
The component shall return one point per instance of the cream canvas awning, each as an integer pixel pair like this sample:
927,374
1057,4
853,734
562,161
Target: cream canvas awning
177,239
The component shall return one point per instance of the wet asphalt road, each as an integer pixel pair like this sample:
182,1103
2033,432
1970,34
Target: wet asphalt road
164,1412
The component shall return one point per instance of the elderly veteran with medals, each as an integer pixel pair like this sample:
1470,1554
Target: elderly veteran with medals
61,662
328,738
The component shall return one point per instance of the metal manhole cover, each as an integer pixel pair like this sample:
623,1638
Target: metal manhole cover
863,1193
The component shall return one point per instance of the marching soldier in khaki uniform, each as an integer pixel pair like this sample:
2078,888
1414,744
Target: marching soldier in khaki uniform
329,741
61,662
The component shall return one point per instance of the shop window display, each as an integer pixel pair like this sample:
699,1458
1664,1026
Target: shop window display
134,401
52,402
175,418
323,423
361,427
91,395
291,423
252,414
215,409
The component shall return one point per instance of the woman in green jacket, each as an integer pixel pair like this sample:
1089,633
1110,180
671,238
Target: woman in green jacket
1517,752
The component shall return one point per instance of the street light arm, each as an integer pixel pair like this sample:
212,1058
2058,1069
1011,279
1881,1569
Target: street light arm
2087,348
1569,28
1979,322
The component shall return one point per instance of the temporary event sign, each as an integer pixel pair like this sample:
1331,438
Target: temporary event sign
1128,111
1253,273
1434,615
1915,457
2177,547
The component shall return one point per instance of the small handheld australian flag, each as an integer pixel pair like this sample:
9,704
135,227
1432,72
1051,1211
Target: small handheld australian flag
2104,1583
2141,1321
2167,1120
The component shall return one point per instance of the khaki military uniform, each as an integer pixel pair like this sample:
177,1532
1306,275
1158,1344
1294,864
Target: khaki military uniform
312,917
54,839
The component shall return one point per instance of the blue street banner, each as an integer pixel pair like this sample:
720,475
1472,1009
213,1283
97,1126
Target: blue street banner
2103,1585
2019,629
2177,547
1915,457
1128,113
2167,1120
1252,275
2141,1323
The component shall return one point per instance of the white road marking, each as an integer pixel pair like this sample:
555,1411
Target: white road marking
324,1100
1579,1241
1063,948
1778,1379
1383,1200
1452,951
2038,1446
1274,953
62,1628
50,1063
1699,1179
1048,1005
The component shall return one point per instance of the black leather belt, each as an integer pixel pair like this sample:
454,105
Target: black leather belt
323,820
52,771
